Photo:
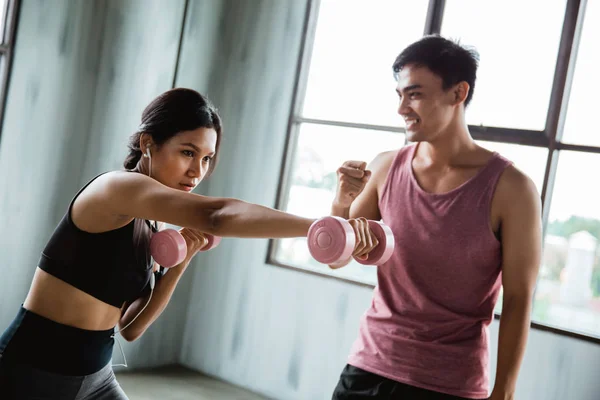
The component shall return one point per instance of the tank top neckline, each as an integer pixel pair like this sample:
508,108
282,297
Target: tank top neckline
462,186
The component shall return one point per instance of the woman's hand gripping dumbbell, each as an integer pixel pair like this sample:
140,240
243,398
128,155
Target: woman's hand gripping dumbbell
332,241
170,247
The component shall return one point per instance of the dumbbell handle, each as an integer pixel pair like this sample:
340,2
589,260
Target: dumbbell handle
212,242
384,249
168,247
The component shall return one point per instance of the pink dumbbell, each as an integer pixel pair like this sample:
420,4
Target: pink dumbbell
213,241
168,247
331,241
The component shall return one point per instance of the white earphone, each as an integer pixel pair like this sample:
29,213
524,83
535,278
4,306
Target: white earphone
149,157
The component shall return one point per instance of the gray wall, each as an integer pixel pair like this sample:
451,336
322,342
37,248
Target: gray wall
48,110
83,72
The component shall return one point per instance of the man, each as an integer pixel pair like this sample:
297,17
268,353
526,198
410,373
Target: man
466,222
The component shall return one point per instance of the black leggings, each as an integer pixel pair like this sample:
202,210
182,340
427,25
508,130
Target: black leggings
19,382
358,384
42,359
53,347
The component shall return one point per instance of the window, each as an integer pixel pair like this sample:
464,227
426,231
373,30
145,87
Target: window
568,291
8,22
512,88
532,105
350,73
581,126
3,9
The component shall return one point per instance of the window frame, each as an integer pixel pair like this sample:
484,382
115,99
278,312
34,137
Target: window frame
7,46
549,138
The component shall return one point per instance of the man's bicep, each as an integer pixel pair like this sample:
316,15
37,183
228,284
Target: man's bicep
521,240
366,204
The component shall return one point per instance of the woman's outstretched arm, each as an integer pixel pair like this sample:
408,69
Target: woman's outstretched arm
138,196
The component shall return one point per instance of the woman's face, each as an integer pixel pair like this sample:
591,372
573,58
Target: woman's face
183,160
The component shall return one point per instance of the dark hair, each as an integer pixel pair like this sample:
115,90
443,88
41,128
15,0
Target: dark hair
447,59
174,111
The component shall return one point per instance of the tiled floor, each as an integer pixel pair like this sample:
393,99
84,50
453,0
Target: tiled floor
179,383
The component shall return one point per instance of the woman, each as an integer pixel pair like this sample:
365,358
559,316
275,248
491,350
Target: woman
95,272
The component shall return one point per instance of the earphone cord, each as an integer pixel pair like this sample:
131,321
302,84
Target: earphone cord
130,322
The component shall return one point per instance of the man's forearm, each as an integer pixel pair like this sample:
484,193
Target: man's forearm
340,211
512,340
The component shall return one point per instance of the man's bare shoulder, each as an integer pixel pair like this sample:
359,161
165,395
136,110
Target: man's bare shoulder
516,188
382,162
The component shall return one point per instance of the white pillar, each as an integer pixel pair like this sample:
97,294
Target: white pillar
575,289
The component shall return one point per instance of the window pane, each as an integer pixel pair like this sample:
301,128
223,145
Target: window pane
356,43
2,67
568,289
319,153
3,9
531,160
581,125
518,43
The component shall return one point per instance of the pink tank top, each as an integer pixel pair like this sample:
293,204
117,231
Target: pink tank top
427,323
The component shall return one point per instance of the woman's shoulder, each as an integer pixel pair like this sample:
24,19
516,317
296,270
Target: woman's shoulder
114,178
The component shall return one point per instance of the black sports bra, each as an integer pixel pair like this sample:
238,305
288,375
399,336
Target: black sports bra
113,266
